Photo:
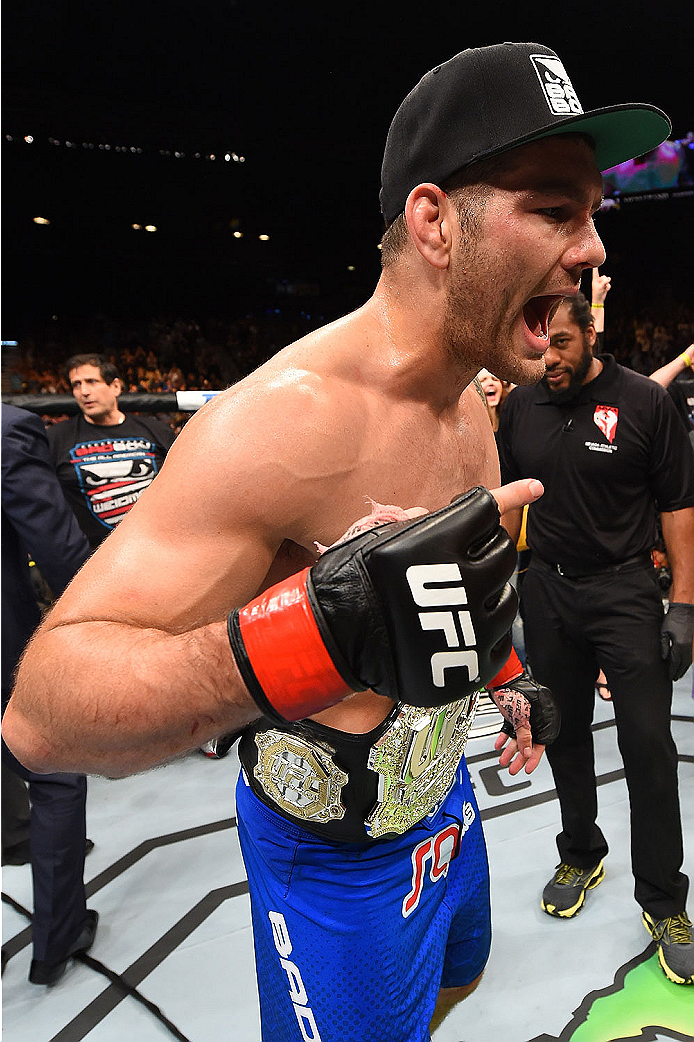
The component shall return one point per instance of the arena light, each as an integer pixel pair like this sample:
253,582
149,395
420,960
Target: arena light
264,238
40,220
150,227
176,153
350,267
136,227
238,235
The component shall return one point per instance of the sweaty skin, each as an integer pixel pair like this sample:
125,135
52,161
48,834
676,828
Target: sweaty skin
133,665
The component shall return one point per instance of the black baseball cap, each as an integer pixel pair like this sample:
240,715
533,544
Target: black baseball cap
487,100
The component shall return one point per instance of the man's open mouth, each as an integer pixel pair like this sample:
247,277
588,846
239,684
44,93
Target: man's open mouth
538,312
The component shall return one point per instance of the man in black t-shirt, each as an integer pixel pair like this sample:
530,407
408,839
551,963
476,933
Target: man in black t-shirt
104,458
612,452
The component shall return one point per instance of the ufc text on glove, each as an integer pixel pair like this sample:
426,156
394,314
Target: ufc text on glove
420,611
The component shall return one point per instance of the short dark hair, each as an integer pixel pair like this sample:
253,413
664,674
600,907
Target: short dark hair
579,311
107,369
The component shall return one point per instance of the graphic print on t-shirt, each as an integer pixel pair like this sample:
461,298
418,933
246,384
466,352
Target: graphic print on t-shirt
113,474
605,417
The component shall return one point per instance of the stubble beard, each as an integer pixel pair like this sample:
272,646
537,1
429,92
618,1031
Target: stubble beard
570,393
473,337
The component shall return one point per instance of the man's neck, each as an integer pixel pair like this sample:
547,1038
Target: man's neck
407,335
112,420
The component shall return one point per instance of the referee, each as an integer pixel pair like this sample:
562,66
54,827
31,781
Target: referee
612,452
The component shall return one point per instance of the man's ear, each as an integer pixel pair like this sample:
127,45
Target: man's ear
591,336
118,386
427,212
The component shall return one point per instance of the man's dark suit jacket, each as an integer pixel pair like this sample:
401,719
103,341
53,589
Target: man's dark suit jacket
36,520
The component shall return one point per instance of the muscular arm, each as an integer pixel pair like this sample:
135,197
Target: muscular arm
137,697
133,665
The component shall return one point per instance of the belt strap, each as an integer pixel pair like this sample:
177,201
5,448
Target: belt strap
570,572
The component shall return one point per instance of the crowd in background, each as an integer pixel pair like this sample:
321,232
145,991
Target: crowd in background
158,355
647,340
209,354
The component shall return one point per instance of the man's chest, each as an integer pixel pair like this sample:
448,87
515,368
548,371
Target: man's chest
414,472
404,472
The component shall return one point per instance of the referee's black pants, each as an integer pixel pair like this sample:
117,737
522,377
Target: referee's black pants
58,834
572,628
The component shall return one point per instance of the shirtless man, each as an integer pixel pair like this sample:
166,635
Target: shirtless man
363,846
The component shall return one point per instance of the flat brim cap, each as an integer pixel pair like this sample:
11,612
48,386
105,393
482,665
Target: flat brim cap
487,100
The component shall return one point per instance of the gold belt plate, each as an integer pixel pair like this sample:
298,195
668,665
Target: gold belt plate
299,776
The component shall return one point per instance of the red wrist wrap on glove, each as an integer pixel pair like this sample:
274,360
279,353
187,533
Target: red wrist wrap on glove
511,671
287,653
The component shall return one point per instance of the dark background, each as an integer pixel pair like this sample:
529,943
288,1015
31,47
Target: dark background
305,92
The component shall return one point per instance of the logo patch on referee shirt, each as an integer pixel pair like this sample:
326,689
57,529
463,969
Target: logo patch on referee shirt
558,91
605,417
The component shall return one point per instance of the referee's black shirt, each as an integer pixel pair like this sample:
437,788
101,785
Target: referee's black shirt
609,461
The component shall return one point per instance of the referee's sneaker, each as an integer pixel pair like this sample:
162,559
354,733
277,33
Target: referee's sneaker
565,895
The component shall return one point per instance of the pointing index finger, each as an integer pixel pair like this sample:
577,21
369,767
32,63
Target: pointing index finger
517,494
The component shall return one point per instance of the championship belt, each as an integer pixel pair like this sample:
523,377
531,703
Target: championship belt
416,760
397,775
299,776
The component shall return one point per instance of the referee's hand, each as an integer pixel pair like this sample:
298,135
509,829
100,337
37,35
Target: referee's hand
676,634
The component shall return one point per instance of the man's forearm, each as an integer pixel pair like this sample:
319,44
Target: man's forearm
668,372
109,698
678,535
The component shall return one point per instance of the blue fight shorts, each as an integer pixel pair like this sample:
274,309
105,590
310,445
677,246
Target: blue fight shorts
353,941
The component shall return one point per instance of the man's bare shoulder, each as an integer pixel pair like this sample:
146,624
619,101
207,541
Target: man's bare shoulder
273,447
284,405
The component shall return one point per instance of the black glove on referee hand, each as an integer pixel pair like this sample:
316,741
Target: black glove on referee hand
676,634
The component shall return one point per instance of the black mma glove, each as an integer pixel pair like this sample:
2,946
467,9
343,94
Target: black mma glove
420,611
521,700
676,635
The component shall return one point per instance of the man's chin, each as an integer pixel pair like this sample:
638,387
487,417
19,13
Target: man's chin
562,395
523,370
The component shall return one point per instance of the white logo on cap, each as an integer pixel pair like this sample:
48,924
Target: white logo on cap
559,94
